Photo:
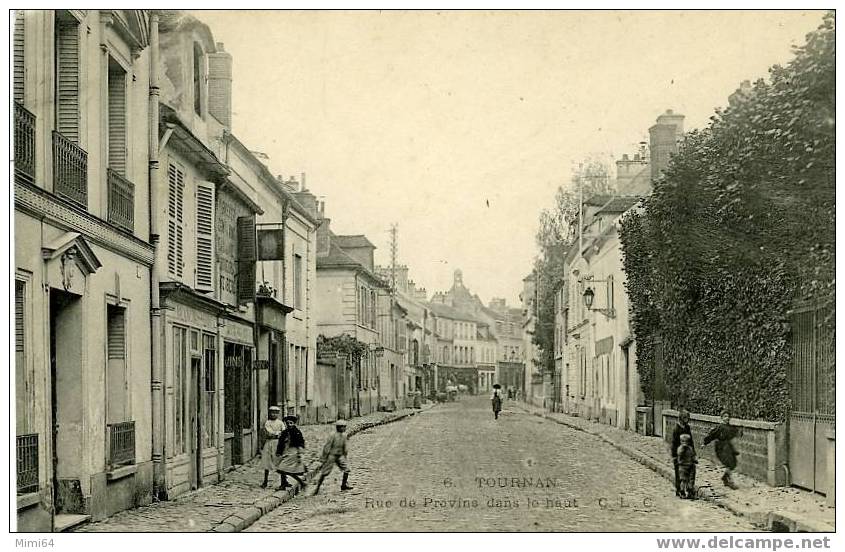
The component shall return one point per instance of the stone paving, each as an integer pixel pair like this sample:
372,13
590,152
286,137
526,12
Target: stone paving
206,508
758,501
455,468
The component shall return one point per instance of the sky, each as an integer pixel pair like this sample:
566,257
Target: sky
460,126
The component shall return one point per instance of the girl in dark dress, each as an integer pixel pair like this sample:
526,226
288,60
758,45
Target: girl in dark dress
724,434
289,453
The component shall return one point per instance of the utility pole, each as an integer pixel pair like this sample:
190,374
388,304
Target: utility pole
394,253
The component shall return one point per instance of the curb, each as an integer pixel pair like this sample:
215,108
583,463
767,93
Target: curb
248,515
793,523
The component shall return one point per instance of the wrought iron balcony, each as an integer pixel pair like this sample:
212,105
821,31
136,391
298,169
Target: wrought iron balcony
27,453
121,201
24,144
70,170
121,444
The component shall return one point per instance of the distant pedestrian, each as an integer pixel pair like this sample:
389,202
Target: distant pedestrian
496,399
334,453
681,428
686,466
272,430
724,435
289,451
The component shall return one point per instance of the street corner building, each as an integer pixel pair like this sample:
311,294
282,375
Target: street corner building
82,264
163,277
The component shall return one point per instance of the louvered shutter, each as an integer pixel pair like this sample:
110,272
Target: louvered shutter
117,122
18,46
116,333
246,259
67,79
20,334
205,236
176,183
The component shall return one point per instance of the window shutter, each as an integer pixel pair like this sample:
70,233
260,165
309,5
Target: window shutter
20,334
117,333
246,259
205,236
67,79
117,122
176,191
18,47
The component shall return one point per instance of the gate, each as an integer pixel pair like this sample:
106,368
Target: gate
813,397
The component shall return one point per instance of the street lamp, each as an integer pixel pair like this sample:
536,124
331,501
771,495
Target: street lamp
589,295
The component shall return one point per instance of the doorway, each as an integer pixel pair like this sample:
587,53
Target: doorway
195,421
66,393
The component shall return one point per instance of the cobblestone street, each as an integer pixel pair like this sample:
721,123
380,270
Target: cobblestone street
465,471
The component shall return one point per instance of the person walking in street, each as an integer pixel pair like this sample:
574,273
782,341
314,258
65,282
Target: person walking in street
686,467
273,428
289,451
724,434
334,453
496,400
681,428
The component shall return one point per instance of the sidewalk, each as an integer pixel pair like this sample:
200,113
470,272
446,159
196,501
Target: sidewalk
773,508
237,501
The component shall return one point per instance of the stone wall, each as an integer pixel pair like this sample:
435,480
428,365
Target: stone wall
762,448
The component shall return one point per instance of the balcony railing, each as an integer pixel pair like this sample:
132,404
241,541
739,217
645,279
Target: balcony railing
27,452
121,444
24,144
70,170
121,201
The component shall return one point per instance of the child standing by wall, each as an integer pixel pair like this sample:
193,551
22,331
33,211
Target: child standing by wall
686,467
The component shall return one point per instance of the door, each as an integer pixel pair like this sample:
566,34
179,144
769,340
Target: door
66,358
195,421
812,394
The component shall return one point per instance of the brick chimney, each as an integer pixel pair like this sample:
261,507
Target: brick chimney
323,237
663,140
220,86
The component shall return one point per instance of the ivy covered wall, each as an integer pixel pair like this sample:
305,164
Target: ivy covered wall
739,229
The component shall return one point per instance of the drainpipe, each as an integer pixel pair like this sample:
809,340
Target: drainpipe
157,358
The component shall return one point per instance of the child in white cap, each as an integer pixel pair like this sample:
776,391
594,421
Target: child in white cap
273,428
334,453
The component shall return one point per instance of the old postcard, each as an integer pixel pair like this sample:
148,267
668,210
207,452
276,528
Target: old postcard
424,271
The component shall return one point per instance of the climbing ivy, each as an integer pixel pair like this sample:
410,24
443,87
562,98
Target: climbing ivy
740,228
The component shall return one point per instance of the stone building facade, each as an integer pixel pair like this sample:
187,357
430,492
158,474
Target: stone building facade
82,264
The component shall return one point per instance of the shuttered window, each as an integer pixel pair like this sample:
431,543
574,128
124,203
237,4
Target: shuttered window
205,236
246,259
175,207
117,400
67,78
116,333
117,118
18,57
23,377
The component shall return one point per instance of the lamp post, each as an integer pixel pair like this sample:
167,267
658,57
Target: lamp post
589,295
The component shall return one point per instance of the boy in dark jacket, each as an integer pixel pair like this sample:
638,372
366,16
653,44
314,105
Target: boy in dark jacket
681,428
686,467
724,434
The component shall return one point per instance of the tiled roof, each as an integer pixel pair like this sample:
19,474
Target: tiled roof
619,204
337,257
447,311
353,241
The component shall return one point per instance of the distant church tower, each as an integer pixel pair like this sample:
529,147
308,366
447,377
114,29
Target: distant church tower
459,279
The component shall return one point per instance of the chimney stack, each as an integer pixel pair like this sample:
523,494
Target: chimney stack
663,141
220,86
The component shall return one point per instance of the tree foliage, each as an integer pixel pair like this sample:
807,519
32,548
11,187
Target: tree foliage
556,233
344,345
740,227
